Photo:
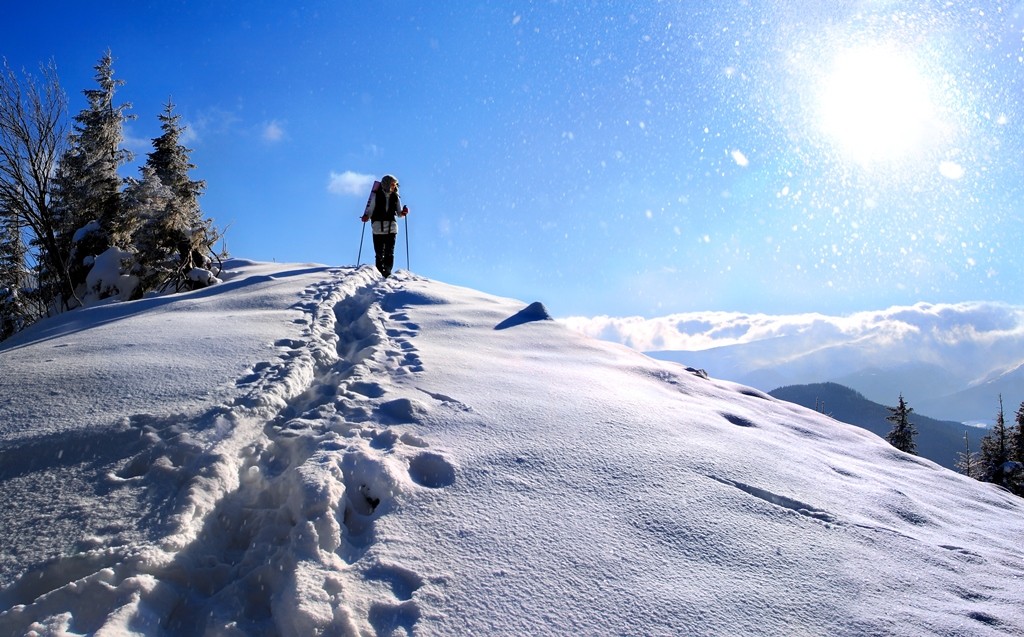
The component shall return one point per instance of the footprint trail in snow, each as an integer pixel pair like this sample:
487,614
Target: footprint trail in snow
279,492
296,540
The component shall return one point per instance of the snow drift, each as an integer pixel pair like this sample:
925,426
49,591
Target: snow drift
308,450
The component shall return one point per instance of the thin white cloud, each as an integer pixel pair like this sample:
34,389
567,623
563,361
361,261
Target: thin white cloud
215,121
134,143
189,136
349,183
273,132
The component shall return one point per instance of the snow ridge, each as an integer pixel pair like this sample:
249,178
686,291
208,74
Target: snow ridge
342,455
276,522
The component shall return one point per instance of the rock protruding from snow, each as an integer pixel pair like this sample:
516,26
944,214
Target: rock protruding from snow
533,312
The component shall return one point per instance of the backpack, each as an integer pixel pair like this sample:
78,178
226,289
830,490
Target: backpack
385,208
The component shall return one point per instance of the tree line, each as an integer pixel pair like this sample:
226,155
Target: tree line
72,230
999,459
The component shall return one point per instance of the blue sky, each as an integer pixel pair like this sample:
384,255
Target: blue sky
604,158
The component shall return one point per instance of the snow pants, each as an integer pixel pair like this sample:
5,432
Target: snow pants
384,250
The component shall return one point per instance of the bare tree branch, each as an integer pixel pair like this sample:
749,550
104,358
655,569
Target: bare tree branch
33,135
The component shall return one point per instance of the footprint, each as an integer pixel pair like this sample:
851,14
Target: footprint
402,410
431,470
368,389
385,440
739,421
257,374
388,619
403,582
413,440
447,401
248,380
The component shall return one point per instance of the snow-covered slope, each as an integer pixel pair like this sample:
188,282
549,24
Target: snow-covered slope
309,450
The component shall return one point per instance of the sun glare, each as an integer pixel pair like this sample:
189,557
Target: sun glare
875,105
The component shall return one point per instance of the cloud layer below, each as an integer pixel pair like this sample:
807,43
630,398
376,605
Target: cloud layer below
955,359
944,325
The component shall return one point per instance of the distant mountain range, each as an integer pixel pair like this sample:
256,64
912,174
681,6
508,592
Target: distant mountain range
944,391
937,440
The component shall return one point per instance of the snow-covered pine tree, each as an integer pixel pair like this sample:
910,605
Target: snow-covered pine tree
69,213
995,452
1017,439
14,311
176,241
88,191
1017,452
151,202
903,431
967,461
12,249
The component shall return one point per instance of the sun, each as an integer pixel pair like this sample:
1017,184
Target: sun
875,105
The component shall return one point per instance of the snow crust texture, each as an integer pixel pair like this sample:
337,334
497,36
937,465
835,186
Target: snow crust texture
357,456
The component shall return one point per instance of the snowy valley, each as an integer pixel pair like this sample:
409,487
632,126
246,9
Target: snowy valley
312,450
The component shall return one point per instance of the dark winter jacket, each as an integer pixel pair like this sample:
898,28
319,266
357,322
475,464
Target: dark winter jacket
384,213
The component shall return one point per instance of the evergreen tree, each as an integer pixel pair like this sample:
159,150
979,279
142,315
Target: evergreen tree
1017,453
1017,447
176,239
88,186
967,461
12,250
66,197
14,311
995,452
903,431
150,201
69,216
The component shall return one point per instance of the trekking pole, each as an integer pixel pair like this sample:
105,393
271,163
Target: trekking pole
359,258
407,266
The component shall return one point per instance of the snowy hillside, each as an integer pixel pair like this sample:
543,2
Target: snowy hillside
309,450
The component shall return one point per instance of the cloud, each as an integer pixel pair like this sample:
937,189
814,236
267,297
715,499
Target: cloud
215,121
139,146
189,136
925,324
349,183
952,360
273,132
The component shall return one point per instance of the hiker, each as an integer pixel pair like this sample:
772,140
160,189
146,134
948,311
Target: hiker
384,207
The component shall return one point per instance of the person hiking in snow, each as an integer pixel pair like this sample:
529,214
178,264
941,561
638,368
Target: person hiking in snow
384,208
